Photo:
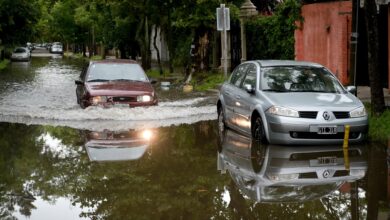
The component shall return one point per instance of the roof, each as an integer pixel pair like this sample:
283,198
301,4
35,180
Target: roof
265,63
115,61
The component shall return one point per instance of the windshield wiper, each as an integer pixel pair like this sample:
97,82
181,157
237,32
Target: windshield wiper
98,80
319,91
274,90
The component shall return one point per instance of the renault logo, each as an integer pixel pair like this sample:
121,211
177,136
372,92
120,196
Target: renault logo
326,174
326,115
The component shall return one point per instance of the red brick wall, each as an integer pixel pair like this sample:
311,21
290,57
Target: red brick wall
324,35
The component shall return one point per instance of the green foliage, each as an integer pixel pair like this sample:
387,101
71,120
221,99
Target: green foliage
208,81
17,18
272,37
379,128
3,64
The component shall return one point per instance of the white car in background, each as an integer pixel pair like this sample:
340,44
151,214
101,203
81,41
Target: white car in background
21,54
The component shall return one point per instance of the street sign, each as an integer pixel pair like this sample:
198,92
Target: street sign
223,18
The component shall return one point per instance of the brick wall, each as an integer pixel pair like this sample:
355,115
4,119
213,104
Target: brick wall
323,37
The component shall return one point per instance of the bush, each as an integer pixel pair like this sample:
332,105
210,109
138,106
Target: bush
380,126
272,37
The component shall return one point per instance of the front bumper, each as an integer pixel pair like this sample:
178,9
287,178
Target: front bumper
288,130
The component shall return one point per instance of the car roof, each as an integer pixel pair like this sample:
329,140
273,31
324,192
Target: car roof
114,61
268,63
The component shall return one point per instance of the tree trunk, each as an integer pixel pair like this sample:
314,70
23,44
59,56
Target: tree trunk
377,96
103,50
157,50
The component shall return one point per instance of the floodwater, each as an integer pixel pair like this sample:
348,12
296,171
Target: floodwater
58,161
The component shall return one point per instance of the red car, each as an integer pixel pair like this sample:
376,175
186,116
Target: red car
114,83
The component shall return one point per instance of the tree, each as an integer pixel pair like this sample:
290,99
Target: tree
371,19
17,19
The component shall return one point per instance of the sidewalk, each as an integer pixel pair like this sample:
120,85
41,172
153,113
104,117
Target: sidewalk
363,93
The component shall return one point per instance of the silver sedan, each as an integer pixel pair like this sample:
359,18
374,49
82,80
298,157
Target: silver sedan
290,102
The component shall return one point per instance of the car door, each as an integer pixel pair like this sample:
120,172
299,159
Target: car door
244,100
230,90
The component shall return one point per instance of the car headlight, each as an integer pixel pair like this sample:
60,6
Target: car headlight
282,111
144,98
98,99
359,112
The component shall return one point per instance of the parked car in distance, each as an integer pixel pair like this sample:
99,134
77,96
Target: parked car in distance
56,48
290,102
21,54
114,82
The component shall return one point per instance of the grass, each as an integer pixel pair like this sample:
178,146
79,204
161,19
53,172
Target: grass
155,73
207,81
379,127
3,64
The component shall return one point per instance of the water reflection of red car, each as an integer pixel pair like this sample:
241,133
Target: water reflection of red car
117,146
114,83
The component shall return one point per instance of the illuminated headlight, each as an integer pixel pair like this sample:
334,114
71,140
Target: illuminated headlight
98,99
144,98
359,112
282,111
283,177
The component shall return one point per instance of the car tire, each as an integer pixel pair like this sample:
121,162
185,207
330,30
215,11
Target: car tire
258,152
82,104
258,131
221,120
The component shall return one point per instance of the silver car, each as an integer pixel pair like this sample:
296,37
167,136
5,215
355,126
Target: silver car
290,102
21,54
276,174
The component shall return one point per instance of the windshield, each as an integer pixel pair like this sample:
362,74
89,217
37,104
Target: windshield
19,50
116,71
299,79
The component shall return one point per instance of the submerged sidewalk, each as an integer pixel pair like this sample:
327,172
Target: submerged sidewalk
364,94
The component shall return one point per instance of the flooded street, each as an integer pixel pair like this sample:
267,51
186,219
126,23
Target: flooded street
58,161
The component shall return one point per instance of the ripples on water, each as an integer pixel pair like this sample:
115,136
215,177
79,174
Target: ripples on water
46,95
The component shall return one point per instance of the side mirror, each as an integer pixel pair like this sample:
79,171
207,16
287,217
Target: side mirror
351,89
79,82
249,89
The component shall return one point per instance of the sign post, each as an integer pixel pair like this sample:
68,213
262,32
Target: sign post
223,24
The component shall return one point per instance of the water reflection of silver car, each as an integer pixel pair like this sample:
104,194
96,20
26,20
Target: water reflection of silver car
287,174
117,146
21,54
290,102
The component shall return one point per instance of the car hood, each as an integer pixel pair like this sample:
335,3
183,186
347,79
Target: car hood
300,100
119,88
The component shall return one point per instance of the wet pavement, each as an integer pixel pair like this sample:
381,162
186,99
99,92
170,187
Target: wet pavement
58,161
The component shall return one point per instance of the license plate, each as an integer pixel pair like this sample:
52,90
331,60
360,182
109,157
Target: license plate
119,105
327,130
324,161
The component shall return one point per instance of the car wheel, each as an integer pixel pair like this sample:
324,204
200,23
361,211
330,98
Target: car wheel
221,120
258,131
82,104
258,151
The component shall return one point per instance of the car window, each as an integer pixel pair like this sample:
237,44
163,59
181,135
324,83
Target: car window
116,71
250,77
19,50
299,79
238,74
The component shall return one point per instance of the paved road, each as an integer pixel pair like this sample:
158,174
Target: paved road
42,52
